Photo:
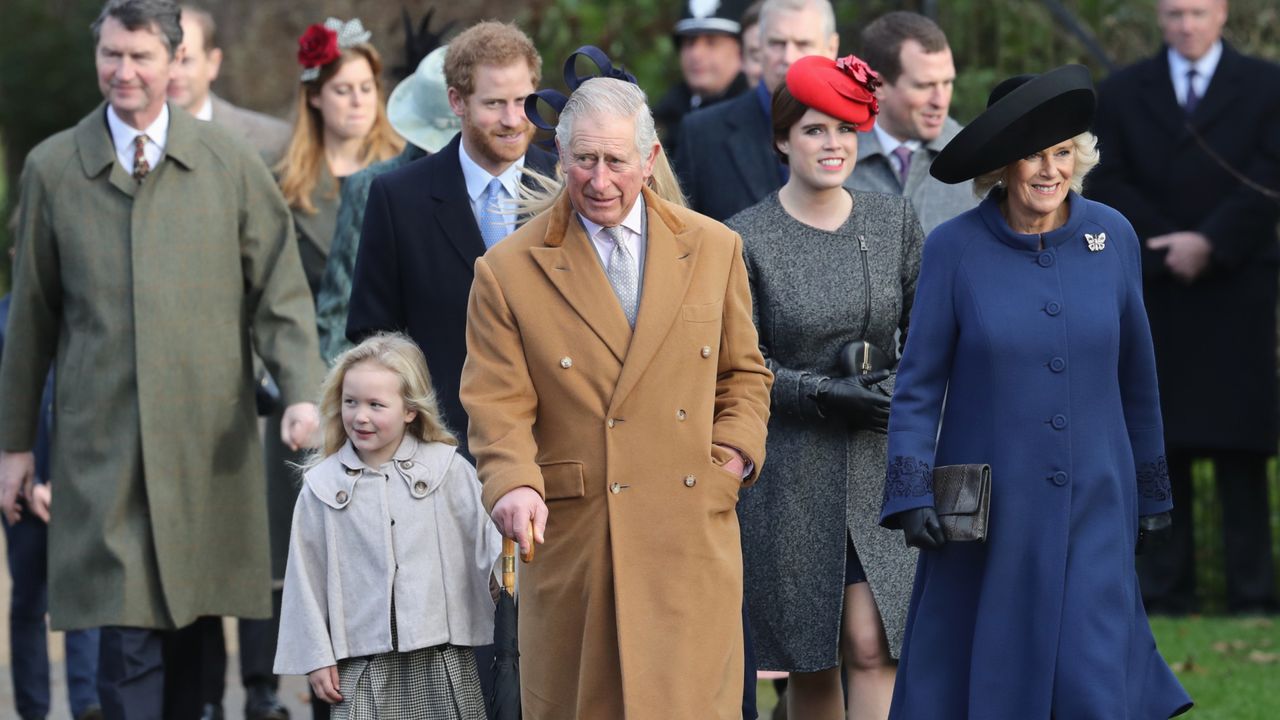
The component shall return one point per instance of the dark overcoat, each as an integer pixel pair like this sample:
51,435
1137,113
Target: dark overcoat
812,291
415,262
725,160
1167,172
1044,360
145,297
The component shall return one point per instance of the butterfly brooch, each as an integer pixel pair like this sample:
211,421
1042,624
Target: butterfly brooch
1097,242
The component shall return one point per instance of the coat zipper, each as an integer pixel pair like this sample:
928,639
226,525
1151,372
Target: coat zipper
866,317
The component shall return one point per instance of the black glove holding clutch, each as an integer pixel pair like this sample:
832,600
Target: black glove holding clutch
1153,531
921,528
856,401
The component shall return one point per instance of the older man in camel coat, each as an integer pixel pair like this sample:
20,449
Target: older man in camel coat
618,400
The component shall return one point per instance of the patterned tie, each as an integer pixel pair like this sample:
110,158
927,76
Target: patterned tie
903,153
140,165
493,223
1192,98
623,274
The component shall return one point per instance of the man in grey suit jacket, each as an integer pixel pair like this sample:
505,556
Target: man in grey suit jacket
196,71
913,58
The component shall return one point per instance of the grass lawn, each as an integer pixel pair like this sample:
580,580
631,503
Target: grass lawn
1230,666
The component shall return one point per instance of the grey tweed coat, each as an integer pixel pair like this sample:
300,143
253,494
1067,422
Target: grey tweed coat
823,482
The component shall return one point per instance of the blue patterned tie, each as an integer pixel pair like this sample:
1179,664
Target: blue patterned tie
493,223
1193,98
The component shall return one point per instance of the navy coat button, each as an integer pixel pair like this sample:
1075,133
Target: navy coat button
1057,364
1059,422
1053,308
1059,478
1045,259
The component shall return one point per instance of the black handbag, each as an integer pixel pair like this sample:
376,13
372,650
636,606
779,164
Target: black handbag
962,499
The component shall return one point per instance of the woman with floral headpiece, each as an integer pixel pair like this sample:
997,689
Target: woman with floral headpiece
832,274
340,127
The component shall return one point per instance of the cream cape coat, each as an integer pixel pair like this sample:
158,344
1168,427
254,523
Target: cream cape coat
632,608
414,529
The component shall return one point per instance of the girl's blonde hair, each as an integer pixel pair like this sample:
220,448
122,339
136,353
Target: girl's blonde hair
400,355
299,169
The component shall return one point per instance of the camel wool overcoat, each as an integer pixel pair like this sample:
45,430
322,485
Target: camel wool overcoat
632,607
145,296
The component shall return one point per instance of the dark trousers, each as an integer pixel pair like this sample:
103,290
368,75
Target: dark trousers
1168,574
149,674
26,545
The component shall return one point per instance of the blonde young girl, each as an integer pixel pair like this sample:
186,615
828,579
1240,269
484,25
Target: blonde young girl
387,584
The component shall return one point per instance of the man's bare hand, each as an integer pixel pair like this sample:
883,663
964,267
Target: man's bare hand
735,464
40,499
298,426
17,471
1188,253
513,512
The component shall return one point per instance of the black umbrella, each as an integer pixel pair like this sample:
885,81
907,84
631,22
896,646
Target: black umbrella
504,704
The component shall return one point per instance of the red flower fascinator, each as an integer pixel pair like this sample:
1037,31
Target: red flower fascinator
318,46
844,89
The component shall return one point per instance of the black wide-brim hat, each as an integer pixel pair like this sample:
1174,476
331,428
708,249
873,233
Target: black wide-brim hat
1025,114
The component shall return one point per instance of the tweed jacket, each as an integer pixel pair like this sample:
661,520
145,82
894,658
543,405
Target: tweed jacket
268,135
935,202
335,286
634,604
145,298
811,297
411,532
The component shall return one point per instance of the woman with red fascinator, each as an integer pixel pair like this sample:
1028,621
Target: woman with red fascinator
833,274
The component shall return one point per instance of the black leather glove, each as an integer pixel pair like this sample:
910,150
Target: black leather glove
854,400
921,528
1153,531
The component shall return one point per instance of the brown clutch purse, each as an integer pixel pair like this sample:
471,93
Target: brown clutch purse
962,499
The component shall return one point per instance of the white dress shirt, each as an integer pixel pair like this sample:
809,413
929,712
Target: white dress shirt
122,135
1205,66
205,112
477,179
889,143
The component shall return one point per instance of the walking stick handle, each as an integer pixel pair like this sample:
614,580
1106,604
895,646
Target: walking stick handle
509,560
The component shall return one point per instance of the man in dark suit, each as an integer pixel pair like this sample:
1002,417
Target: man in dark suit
726,161
189,87
1191,156
426,223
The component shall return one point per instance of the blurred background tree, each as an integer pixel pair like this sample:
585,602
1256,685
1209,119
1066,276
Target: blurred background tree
48,82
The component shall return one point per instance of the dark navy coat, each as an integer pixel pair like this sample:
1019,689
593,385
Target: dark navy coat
1044,359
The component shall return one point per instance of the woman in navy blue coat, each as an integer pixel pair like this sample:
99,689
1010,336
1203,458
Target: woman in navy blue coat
1029,324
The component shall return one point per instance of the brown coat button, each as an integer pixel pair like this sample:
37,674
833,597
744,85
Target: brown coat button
420,487
615,488
681,415
566,362
609,422
341,497
706,351
353,472
406,464
690,481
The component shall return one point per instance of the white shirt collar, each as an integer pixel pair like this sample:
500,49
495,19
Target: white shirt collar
122,134
1205,67
478,178
634,221
206,110
889,143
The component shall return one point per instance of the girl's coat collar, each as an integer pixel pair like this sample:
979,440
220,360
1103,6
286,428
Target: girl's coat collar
421,466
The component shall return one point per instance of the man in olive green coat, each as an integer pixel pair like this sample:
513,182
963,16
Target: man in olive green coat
152,249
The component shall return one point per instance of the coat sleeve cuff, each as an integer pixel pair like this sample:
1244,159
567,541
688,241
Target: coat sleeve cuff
908,478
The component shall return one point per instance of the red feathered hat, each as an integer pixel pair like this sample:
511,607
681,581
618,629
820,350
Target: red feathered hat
844,89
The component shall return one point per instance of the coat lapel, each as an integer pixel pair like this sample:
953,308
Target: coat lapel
453,213
670,255
571,264
98,153
1222,90
1157,94
753,159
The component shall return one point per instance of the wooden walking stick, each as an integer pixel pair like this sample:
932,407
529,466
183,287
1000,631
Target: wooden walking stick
509,560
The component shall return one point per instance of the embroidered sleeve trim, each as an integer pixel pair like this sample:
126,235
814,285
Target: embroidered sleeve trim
1153,480
907,477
